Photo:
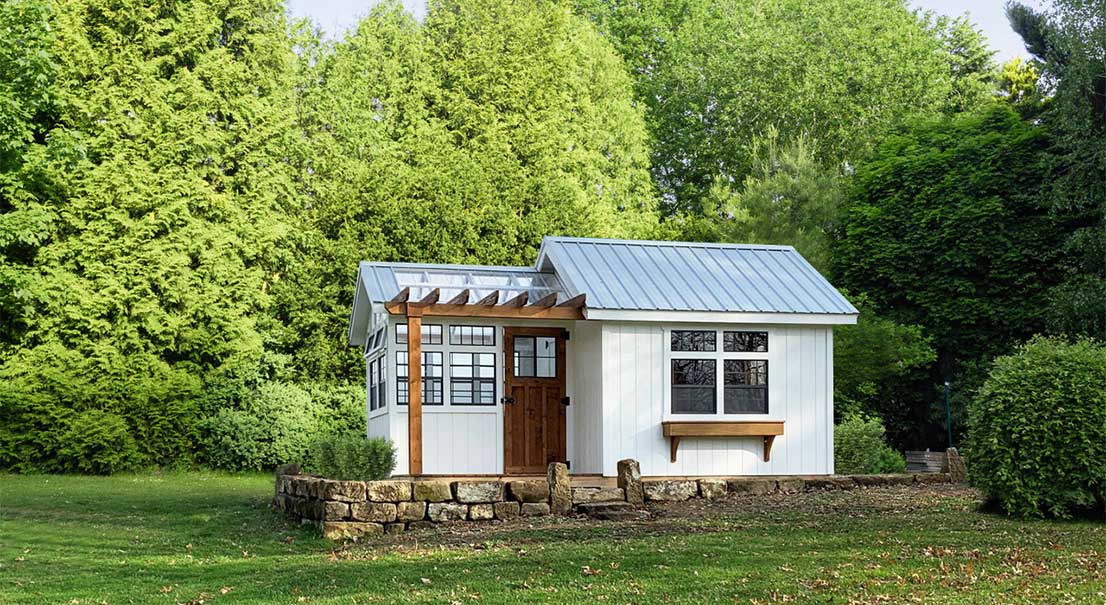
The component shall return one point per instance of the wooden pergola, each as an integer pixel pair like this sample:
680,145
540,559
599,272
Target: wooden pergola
518,307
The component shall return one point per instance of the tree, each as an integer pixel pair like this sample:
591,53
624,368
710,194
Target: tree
787,198
970,61
1068,43
464,139
717,75
168,129
944,229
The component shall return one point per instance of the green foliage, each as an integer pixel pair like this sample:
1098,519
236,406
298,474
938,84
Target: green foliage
1018,85
787,198
714,76
352,456
943,229
859,448
970,62
464,139
1038,429
97,442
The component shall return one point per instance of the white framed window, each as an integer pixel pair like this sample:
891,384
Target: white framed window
704,380
376,375
460,367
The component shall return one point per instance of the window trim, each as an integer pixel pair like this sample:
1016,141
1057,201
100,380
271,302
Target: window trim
720,356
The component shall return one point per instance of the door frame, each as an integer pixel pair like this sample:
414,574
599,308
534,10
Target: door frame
560,450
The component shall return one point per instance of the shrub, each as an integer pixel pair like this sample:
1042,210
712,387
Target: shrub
353,456
1037,429
859,447
98,442
234,440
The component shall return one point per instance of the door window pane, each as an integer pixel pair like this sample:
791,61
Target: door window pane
693,386
535,356
745,385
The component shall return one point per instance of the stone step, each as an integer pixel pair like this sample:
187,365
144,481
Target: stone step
611,511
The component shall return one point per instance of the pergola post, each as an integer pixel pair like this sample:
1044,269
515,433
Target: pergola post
414,391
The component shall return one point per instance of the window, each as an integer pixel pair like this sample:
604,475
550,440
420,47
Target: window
693,386
746,386
693,340
483,336
376,379
472,379
535,356
745,342
431,334
431,377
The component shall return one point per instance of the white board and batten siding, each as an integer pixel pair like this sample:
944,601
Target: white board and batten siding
636,400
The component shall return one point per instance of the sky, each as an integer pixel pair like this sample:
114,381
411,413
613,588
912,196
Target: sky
335,16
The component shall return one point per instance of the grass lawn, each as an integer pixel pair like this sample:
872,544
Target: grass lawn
210,538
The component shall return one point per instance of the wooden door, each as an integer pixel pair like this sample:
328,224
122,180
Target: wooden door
534,399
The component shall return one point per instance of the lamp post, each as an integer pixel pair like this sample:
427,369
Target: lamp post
948,413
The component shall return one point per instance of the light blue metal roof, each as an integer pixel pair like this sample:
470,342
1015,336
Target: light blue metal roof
682,276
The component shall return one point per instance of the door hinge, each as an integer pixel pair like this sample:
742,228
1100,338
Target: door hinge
566,400
566,334
568,464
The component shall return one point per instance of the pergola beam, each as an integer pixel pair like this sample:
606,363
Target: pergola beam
460,299
486,307
546,301
518,301
576,302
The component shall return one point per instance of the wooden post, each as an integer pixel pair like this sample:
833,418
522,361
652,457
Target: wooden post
414,392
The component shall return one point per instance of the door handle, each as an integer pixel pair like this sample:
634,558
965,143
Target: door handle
506,400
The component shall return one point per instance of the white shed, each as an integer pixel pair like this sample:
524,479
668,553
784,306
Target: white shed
694,359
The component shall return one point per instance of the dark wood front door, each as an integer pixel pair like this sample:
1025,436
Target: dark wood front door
534,401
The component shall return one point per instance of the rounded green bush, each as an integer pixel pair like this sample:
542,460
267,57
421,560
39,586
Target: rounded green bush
1037,429
353,456
234,441
860,448
98,442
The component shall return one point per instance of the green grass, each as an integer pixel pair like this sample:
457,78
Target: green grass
210,538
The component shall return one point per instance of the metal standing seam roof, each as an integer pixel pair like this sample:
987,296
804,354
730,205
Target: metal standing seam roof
683,276
632,275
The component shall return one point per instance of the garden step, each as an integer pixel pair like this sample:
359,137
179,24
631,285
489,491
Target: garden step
611,511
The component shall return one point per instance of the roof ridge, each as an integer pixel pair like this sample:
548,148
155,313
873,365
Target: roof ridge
671,243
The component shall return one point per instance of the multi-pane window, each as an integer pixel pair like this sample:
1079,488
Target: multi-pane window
745,342
535,356
472,378
693,340
746,386
693,386
431,378
472,335
376,379
431,334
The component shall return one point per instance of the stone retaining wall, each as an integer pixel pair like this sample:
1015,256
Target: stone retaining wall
352,509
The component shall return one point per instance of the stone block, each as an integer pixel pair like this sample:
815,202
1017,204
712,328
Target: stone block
350,530
584,495
751,486
629,479
899,479
534,509
433,491
342,491
958,469
377,512
417,525
446,511
927,478
711,489
387,491
832,483
478,492
672,490
791,485
506,510
394,528
870,480
481,512
560,489
529,490
335,511
410,511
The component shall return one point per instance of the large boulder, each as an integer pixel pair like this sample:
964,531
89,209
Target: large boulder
335,511
534,509
711,489
478,492
529,490
751,486
377,512
342,491
446,511
584,495
629,479
410,511
560,489
958,470
388,491
673,490
433,491
506,510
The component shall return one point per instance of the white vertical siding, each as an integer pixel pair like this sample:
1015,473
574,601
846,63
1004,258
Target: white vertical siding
635,398
585,377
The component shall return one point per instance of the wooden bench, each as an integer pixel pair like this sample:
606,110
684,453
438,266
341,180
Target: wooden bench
768,429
